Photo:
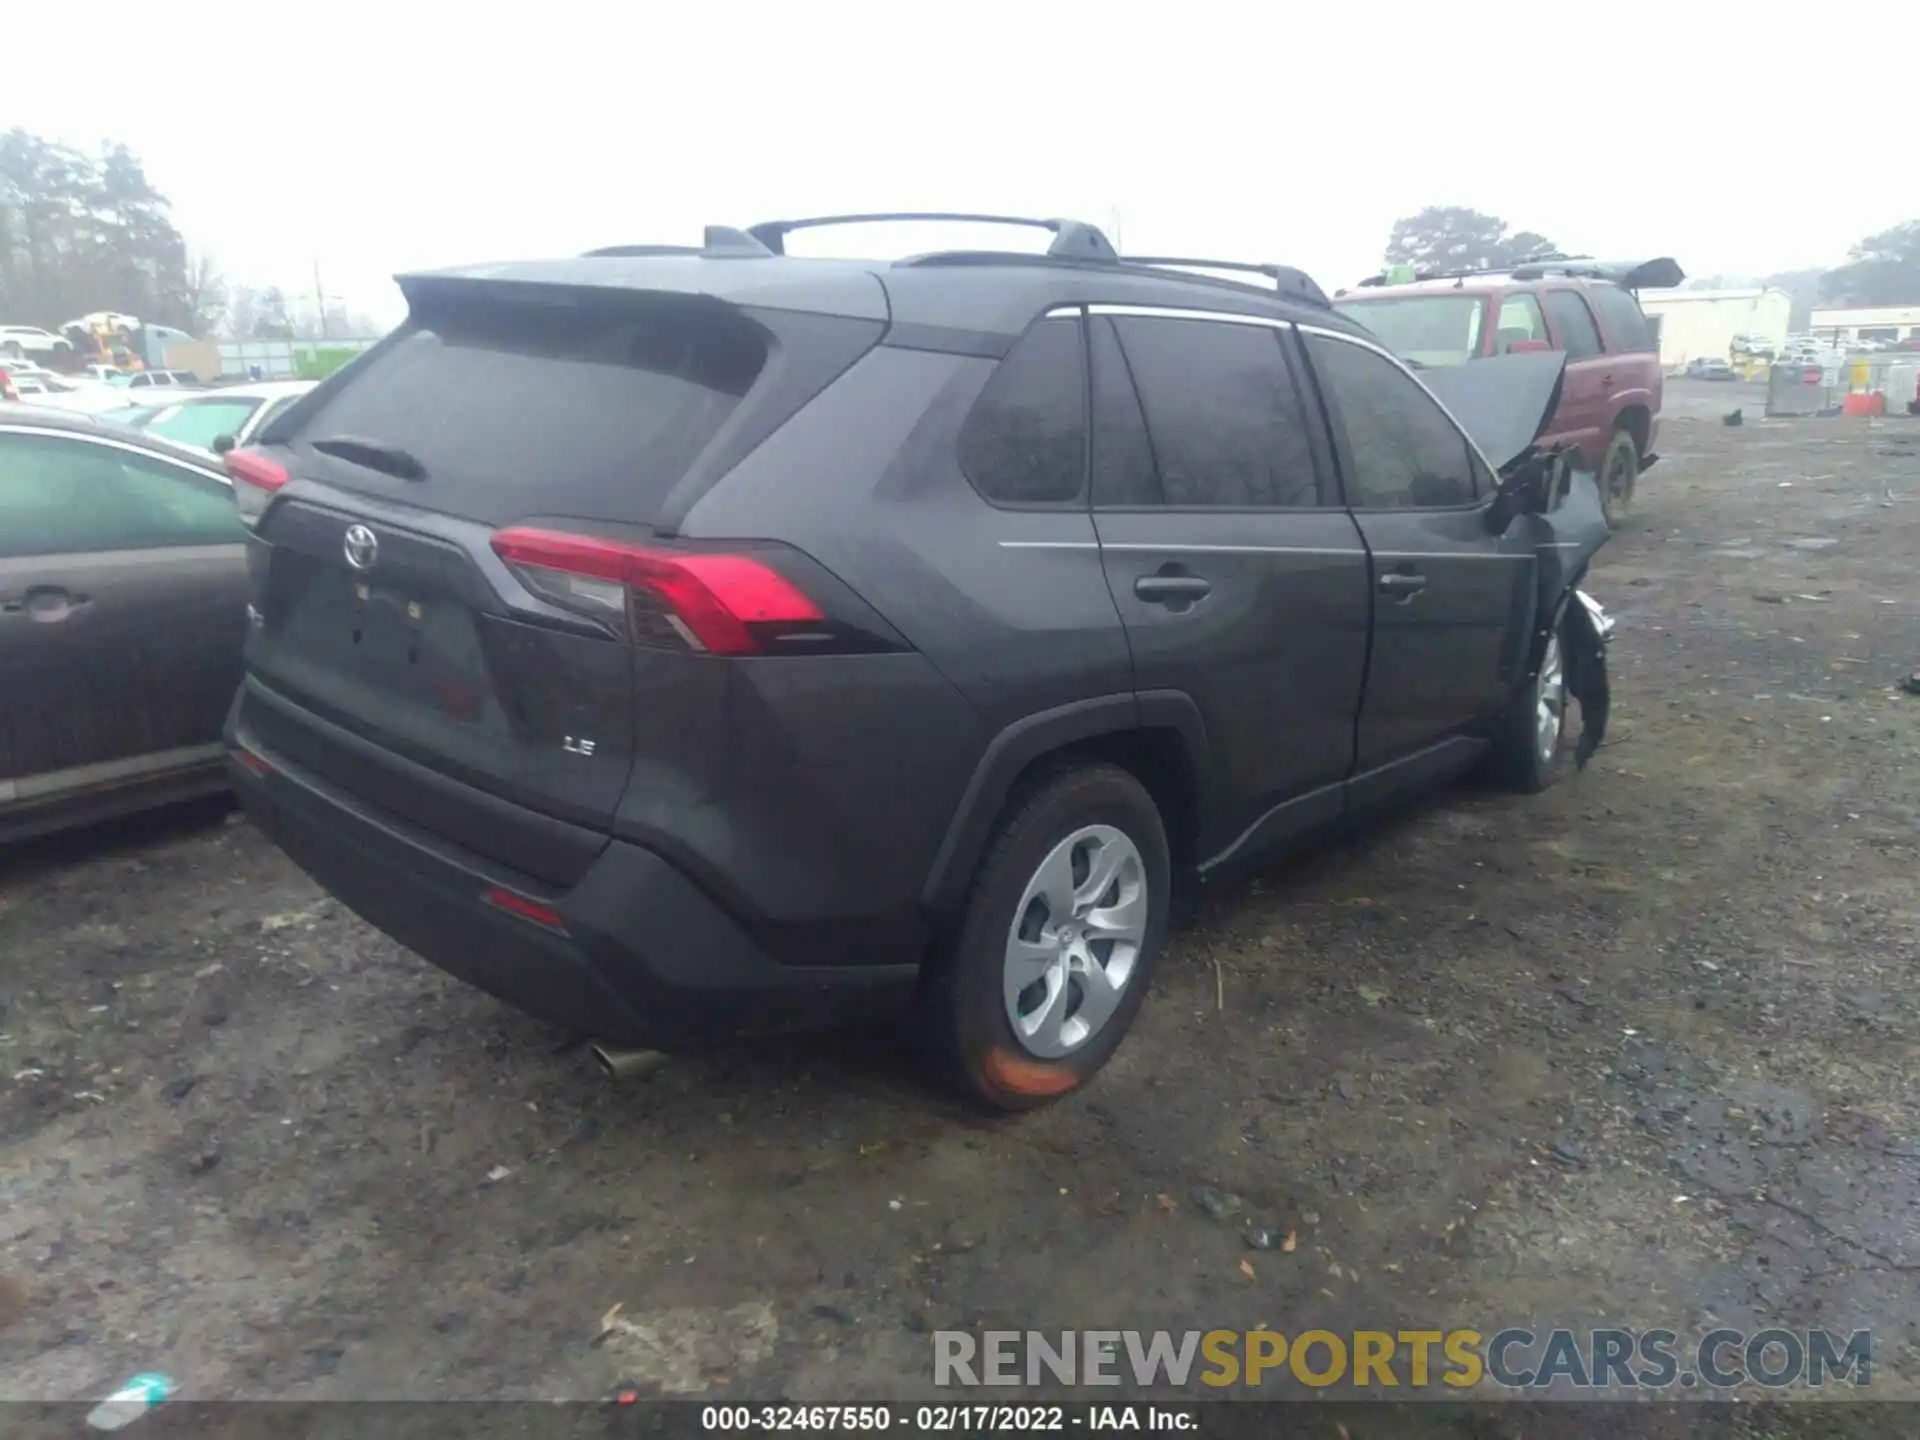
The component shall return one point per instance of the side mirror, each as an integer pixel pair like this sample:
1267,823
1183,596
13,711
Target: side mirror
1527,347
222,444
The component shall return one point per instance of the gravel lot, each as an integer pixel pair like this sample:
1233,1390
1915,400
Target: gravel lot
1639,1052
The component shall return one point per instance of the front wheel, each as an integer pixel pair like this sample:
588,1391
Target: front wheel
1057,945
1619,469
1528,748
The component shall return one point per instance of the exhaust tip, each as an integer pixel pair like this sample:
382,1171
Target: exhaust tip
624,1064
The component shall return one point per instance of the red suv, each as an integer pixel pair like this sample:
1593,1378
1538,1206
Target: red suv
1610,404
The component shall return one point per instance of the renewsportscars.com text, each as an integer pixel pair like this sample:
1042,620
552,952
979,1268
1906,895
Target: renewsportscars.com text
1512,1358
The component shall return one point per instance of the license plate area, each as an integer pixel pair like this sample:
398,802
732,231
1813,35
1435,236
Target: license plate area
424,650
389,642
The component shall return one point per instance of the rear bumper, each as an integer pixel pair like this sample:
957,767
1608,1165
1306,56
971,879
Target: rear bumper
644,957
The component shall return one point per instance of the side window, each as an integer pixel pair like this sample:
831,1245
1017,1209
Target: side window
1520,319
1402,452
1025,443
1123,469
1577,330
1224,417
201,422
1626,325
65,496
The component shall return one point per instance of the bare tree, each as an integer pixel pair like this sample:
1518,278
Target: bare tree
205,293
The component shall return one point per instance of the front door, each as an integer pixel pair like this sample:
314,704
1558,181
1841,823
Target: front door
122,609
1241,582
1449,598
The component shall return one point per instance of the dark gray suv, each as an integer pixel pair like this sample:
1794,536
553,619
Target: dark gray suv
682,642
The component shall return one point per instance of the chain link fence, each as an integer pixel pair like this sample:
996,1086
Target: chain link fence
1879,385
287,359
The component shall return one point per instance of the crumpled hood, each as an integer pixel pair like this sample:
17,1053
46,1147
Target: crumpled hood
1503,402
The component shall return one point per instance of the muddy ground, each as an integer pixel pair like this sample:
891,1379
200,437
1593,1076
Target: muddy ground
1641,1051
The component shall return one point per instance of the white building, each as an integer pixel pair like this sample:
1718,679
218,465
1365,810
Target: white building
1696,324
1884,322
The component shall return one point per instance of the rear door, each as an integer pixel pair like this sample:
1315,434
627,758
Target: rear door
1586,401
1448,597
1241,580
1634,374
122,608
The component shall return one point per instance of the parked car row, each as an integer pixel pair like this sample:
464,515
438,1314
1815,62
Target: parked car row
812,640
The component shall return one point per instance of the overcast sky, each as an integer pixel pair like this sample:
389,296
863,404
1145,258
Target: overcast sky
378,138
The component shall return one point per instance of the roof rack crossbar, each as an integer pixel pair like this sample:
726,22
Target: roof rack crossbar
720,242
1071,238
1422,276
1286,278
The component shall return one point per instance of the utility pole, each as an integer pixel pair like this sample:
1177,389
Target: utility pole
319,298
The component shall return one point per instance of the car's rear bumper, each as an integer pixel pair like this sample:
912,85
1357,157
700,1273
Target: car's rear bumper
642,955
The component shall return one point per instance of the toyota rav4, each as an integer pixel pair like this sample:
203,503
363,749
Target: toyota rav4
810,640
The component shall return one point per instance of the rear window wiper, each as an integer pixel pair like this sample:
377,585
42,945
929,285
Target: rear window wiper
374,454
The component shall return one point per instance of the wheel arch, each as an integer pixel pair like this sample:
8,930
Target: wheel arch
1637,420
1157,736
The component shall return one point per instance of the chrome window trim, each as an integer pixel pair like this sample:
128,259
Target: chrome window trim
14,427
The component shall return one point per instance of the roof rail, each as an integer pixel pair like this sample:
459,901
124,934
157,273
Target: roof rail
1633,275
1072,239
1466,273
720,242
1289,281
1293,284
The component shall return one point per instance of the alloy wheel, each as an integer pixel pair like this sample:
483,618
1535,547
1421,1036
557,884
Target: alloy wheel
1550,700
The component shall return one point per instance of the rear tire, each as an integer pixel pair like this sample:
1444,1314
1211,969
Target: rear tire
1619,470
1043,978
1530,747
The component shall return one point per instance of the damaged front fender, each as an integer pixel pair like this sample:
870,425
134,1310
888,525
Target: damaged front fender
1565,527
1589,627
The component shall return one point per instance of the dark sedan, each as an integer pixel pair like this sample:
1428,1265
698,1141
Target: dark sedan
123,606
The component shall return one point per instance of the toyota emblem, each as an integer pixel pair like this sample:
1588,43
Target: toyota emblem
362,547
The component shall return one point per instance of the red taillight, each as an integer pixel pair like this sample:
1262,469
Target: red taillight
251,762
255,479
710,600
523,907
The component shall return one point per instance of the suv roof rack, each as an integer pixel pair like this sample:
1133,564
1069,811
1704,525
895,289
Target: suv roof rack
720,242
1074,242
1659,274
1470,272
1072,239
1294,283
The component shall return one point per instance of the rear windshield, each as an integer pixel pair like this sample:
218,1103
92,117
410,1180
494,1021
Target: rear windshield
516,409
1423,329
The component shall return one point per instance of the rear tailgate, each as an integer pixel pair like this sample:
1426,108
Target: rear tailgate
397,652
